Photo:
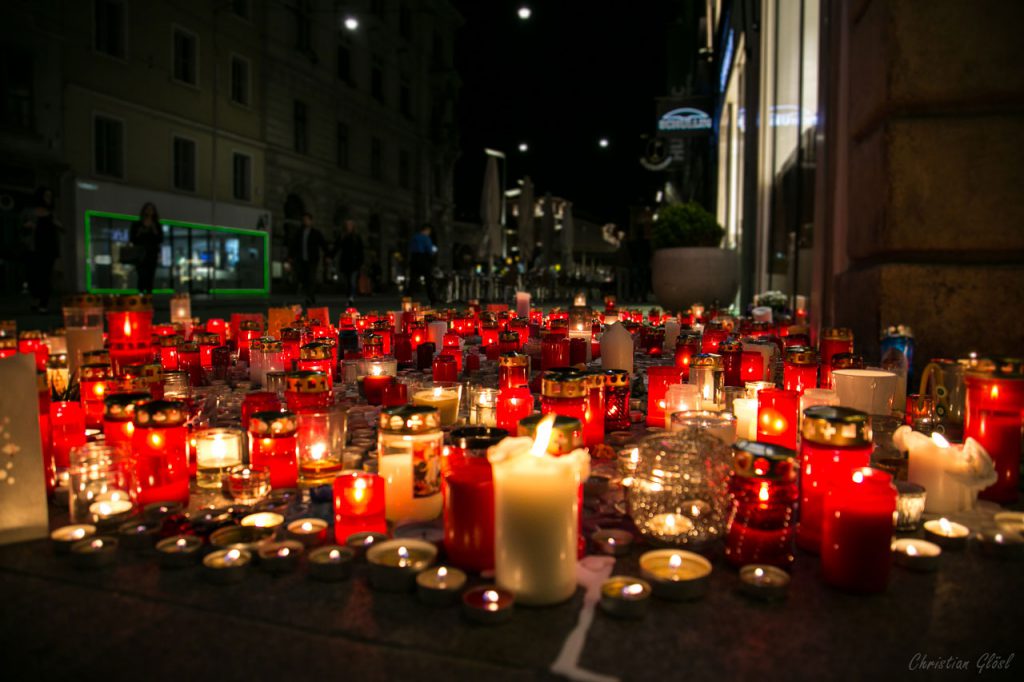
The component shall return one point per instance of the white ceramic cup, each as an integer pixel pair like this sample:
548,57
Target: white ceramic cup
868,390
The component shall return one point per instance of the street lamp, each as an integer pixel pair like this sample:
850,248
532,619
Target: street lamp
351,23
603,142
523,147
524,12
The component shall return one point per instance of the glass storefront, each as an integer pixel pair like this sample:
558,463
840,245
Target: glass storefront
194,258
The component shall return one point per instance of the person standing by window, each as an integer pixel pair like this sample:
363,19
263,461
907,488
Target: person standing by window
310,248
146,235
350,259
42,237
421,256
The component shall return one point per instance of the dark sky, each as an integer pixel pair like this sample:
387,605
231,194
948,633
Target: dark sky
574,72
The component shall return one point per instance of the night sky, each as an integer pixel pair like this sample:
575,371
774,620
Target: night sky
573,73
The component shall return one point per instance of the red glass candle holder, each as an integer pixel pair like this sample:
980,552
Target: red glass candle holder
445,368
508,342
247,331
564,393
67,431
714,334
119,415
731,351
752,366
469,498
358,505
489,334
129,318
190,363
125,353
159,445
374,387
593,416
424,355
800,370
8,347
394,394
306,389
778,420
762,523
273,444
554,351
513,370
687,346
219,327
403,348
95,380
291,341
836,440
417,334
992,416
514,404
33,342
659,378
258,401
856,546
168,352
206,342
833,341
616,400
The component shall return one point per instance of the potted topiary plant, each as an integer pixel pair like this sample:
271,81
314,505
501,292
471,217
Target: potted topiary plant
689,265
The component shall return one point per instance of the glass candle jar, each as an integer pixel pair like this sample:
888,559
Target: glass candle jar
483,406
856,546
160,454
118,415
189,362
100,473
444,396
272,444
217,450
358,505
304,389
554,351
409,459
836,440
679,492
778,420
707,374
508,342
382,329
721,425
424,355
616,400
762,524
129,318
291,340
489,334
206,342
216,325
731,351
94,381
659,378
680,398
752,366
800,371
469,499
445,368
168,353
33,342
834,340
316,357
83,326
513,370
714,333
593,416
258,401
514,404
321,440
564,392
248,331
67,431
994,408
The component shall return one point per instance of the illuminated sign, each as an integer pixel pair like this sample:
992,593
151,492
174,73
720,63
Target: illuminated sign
684,118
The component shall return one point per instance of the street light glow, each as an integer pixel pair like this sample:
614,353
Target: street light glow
603,142
351,23
524,12
523,147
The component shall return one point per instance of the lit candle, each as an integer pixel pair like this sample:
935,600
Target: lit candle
953,475
226,566
310,532
409,461
625,597
358,504
514,404
488,605
179,551
917,555
440,586
659,378
856,533
94,552
444,399
138,534
395,563
1001,543
65,536
159,452
216,451
763,581
280,557
745,410
946,533
612,541
361,542
678,398
676,574
263,520
777,417
111,511
331,563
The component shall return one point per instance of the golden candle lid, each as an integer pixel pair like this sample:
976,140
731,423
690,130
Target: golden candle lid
615,378
381,325
57,361
147,371
31,335
120,407
762,460
171,341
306,381
594,380
513,360
563,382
189,347
206,339
250,325
408,419
315,351
83,301
271,346
726,324
96,372
836,426
566,432
508,337
837,334
272,424
291,334
712,360
730,346
8,343
129,303
100,356
847,361
801,355
160,414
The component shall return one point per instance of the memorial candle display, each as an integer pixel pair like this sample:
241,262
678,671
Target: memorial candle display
359,503
993,417
409,460
118,415
564,392
535,510
159,452
778,417
659,378
272,444
764,491
320,441
514,404
800,371
469,499
834,340
306,389
857,531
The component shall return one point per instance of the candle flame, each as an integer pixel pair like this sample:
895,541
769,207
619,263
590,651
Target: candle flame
307,526
334,555
283,552
317,451
945,526
858,477
758,572
127,327
940,440
632,590
232,555
763,494
999,538
78,533
675,561
155,440
911,550
994,393
442,573
99,389
670,525
437,391
376,370
543,437
491,597
96,544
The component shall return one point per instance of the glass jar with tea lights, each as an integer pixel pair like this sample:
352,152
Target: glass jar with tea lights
189,362
762,523
778,417
175,386
358,505
160,452
721,425
129,318
834,340
715,332
508,342
659,378
265,355
168,352
679,493
513,370
100,483
33,342
514,404
731,351
94,381
258,401
856,542
409,447
321,440
291,341
800,370
306,389
83,326
217,450
445,368
564,391
316,357
118,415
593,417
708,375
206,342
993,417
248,331
444,396
616,400
483,405
836,440
273,444
67,431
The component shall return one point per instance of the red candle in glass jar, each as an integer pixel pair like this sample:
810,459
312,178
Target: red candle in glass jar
33,342
687,346
374,386
206,342
417,334
8,347
554,351
273,444
800,370
469,498
714,334
247,331
394,394
304,389
834,340
778,417
616,400
291,341
489,334
119,415
659,378
513,370
445,368
159,446
190,363
424,355
358,505
129,318
316,357
731,351
564,392
452,345
836,440
67,430
856,541
521,327
125,353
578,350
94,381
762,522
220,328
508,342
593,417
403,348
168,352
258,401
994,406
752,366
513,404
383,330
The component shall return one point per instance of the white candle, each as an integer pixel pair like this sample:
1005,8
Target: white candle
617,348
80,340
535,514
435,334
761,313
745,410
216,450
952,475
868,390
445,400
523,304
680,398
671,336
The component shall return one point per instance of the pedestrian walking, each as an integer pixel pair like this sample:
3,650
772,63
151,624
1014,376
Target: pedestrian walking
310,248
42,238
421,260
350,259
146,236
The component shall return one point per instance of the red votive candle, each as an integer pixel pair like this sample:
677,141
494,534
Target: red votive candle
593,417
992,416
129,318
94,381
469,498
258,401
800,370
394,394
856,543
445,368
714,334
508,342
316,357
764,490
564,392
273,444
403,348
247,331
206,342
752,366
778,419
513,370
358,505
33,342
169,352
304,389
659,378
731,351
67,430
616,400
513,404
834,341
554,351
119,415
424,355
189,362
220,328
291,341
159,452
489,334
687,345
374,386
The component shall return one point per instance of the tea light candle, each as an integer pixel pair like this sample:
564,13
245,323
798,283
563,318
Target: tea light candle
910,504
361,542
331,563
1010,521
946,533
226,566
309,532
612,541
65,536
240,537
762,581
676,574
917,555
263,520
669,527
110,512
395,563
94,552
625,597
280,557
179,551
138,534
440,586
445,400
1001,544
488,605
158,511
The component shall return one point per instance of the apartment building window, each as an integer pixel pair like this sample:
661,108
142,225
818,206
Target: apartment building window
16,91
242,8
376,159
303,26
241,80
241,174
345,63
405,96
184,164
108,146
186,56
108,28
301,126
404,169
377,80
342,145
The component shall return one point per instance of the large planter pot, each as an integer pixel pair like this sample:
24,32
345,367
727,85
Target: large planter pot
684,276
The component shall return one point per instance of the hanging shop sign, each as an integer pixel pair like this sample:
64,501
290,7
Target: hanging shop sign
684,117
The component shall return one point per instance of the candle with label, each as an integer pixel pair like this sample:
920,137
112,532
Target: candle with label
272,444
443,397
160,455
409,461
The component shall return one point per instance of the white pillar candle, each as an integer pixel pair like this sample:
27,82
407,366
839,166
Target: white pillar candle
435,334
680,398
445,400
535,517
617,348
671,335
80,340
523,304
952,475
745,410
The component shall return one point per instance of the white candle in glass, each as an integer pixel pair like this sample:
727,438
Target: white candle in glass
745,410
671,336
680,398
446,400
216,450
868,390
617,348
535,517
435,334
